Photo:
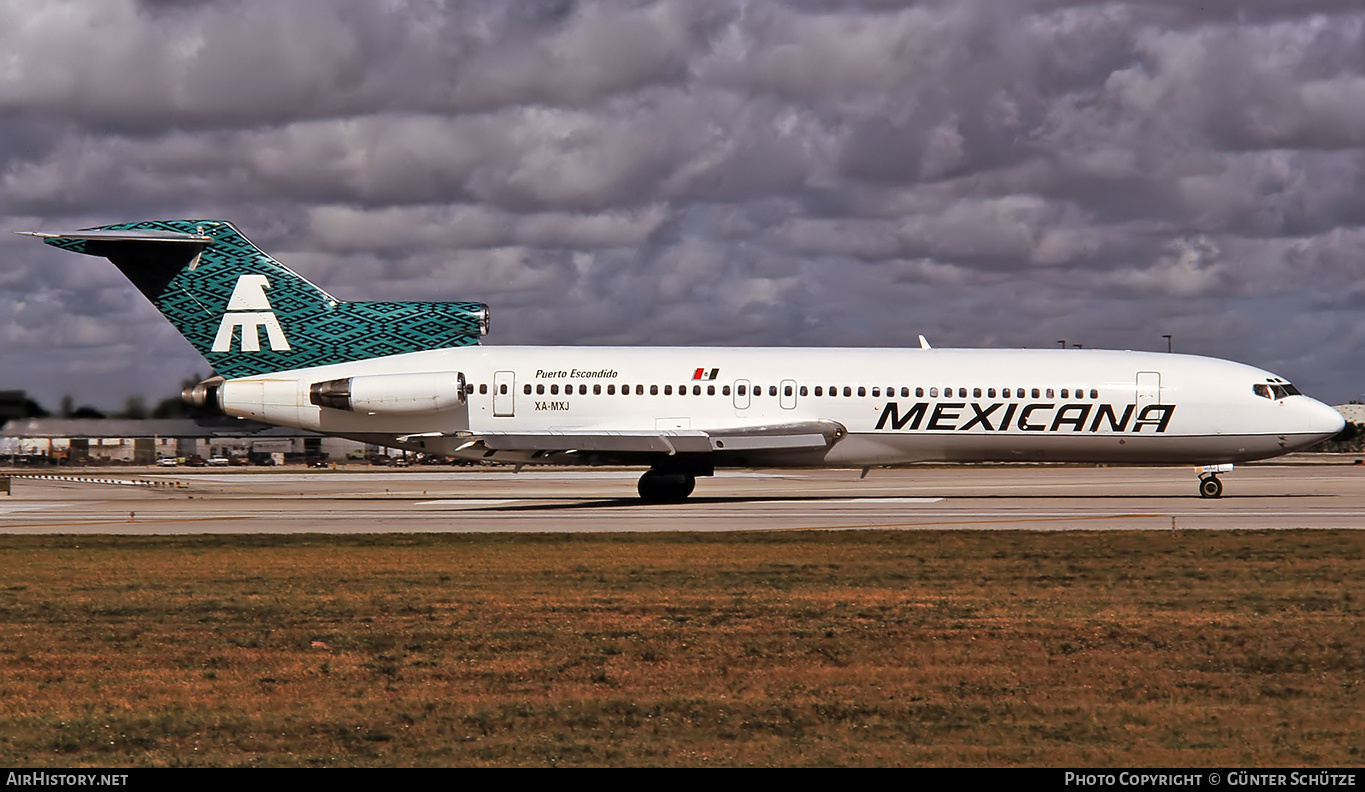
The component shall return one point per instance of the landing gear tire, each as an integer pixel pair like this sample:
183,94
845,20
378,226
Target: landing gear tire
1210,487
659,487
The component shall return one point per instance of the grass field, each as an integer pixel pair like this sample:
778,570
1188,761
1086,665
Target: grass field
801,648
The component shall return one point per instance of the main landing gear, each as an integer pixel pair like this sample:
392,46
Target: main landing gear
663,486
1209,485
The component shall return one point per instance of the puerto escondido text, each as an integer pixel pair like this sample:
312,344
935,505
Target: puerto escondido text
1026,417
575,374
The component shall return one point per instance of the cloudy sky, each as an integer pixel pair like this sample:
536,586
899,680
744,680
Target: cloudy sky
989,174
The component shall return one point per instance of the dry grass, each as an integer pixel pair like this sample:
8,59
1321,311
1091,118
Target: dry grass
858,648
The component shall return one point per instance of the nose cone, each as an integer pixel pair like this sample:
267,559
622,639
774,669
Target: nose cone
1324,420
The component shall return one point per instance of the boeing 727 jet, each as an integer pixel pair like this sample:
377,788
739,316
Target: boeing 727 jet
413,375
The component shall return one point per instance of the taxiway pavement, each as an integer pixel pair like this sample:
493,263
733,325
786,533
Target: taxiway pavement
143,501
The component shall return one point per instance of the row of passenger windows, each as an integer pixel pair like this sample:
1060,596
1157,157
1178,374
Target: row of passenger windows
803,390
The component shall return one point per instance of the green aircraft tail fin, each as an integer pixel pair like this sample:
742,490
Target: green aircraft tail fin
248,314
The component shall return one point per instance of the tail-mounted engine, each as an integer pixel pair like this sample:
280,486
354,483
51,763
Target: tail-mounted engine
391,393
204,396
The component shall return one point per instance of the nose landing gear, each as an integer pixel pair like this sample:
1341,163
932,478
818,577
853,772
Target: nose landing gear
1209,485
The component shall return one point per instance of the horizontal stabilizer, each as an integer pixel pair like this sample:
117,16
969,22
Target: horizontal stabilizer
96,235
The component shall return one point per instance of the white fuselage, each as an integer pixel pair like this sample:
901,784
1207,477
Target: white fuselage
898,405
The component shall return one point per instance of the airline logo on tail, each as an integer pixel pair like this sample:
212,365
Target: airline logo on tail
249,310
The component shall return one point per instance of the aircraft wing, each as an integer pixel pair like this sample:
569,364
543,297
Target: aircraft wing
793,436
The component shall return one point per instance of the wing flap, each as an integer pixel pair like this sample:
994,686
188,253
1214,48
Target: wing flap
670,442
797,436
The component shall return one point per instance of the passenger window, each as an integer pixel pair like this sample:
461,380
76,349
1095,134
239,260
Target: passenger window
876,392
611,390
1049,393
1094,394
787,391
862,391
696,390
905,393
976,393
554,390
803,390
1035,393
503,389
639,390
819,391
1019,393
772,390
1064,393
668,390
540,390
597,390
933,393
848,391
743,390
725,390
483,389
990,393
919,393
710,390
527,389
653,390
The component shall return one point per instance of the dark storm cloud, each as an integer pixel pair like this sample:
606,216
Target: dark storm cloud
718,172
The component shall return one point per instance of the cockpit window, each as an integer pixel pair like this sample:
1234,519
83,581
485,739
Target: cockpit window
1275,390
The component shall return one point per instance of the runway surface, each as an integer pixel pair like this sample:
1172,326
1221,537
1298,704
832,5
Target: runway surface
366,500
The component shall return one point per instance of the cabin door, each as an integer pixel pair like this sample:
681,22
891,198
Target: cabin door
1148,389
504,387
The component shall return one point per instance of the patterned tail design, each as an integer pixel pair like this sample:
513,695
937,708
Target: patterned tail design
248,314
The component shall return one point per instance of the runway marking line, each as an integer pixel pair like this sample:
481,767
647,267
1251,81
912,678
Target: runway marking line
975,522
148,521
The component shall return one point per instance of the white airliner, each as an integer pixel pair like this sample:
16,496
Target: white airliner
412,375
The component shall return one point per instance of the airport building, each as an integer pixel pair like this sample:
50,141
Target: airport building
119,441
1353,413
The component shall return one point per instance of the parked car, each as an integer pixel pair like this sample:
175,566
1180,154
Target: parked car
167,462
194,460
